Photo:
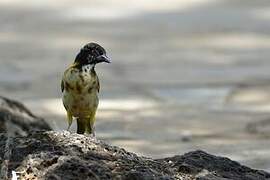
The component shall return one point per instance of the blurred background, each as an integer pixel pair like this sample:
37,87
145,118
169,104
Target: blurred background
186,74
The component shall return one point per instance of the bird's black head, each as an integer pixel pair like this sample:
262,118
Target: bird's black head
92,54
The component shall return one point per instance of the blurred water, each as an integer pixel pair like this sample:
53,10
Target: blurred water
185,75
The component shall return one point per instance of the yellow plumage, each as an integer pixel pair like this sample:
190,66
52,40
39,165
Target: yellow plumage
80,87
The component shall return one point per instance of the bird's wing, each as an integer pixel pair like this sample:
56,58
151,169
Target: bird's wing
68,69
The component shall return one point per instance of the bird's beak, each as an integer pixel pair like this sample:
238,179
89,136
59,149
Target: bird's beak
103,58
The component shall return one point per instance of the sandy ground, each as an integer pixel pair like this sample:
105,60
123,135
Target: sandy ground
185,75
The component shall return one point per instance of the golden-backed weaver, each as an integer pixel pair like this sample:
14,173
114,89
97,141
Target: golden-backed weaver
80,87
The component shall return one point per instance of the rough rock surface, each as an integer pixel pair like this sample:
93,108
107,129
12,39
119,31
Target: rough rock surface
16,119
64,155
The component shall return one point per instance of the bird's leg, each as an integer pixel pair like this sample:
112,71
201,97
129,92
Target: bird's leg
88,128
80,126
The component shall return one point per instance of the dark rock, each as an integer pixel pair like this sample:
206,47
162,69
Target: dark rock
16,119
55,155
206,166
29,154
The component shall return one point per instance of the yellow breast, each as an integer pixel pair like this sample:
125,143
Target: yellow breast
80,92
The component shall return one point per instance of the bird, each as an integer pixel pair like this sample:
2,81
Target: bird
80,87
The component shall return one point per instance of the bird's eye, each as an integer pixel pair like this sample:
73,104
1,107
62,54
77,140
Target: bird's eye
101,51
